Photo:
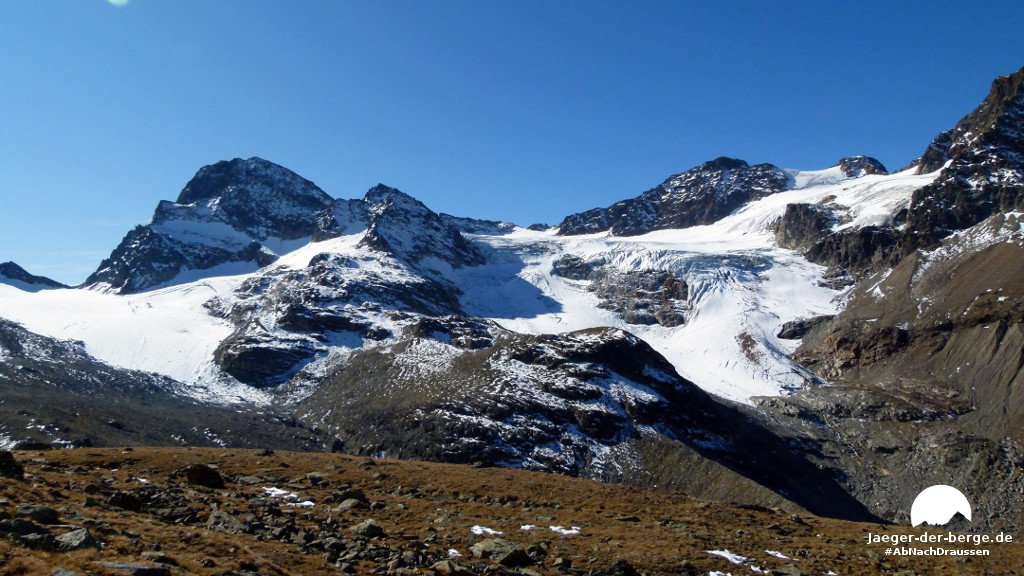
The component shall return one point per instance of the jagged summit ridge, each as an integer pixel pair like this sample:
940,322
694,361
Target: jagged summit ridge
701,195
994,126
246,213
982,167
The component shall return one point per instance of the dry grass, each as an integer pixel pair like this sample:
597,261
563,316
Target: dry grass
437,504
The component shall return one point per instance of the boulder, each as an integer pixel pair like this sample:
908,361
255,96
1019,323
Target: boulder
9,467
203,475
76,540
502,552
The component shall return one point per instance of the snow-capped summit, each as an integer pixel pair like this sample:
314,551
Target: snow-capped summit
701,195
401,225
236,215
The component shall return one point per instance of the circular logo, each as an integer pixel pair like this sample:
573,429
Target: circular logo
938,504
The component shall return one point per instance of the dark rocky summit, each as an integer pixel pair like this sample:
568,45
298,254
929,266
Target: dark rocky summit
857,166
228,213
982,163
701,195
9,271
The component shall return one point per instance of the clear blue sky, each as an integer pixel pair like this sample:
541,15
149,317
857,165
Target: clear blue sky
515,110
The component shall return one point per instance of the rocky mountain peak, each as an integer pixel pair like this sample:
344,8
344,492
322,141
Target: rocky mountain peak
723,163
995,124
982,163
701,195
231,211
407,228
857,166
16,275
229,178
383,193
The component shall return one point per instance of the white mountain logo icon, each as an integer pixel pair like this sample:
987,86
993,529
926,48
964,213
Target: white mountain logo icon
938,504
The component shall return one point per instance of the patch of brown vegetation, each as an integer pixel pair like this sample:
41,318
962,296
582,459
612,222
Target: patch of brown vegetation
425,510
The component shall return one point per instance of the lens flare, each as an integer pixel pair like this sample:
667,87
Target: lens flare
118,3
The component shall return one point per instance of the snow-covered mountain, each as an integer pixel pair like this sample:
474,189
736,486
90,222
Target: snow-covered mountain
231,217
750,292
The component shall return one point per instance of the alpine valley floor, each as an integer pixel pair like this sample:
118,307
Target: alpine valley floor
231,511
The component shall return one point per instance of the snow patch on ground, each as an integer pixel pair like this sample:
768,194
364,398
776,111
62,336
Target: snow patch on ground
484,531
731,557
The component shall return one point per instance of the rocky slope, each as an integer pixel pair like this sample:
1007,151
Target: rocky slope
217,511
926,355
54,394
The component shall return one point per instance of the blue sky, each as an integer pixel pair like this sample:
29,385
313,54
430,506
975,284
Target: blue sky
524,111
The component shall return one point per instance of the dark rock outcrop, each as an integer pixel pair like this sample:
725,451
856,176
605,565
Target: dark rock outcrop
203,475
802,226
639,297
796,329
982,162
227,213
11,271
702,195
856,166
9,466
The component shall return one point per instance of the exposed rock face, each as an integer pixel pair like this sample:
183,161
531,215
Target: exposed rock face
857,166
228,213
701,195
797,329
573,267
403,226
982,162
9,271
287,317
856,249
639,297
642,297
253,196
262,359
912,316
927,373
802,226
474,226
